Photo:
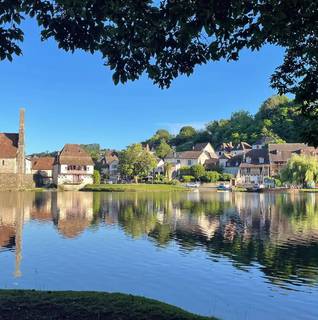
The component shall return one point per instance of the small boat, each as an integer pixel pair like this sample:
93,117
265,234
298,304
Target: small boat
193,185
224,187
256,188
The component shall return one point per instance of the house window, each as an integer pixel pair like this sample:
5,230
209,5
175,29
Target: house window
3,162
178,161
189,162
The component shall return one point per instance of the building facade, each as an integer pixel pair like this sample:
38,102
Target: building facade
42,170
73,166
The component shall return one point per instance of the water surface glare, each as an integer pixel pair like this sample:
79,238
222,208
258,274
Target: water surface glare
231,255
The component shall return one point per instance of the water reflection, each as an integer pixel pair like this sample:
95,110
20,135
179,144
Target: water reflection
276,232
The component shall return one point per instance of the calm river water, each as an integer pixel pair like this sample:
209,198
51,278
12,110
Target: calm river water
231,255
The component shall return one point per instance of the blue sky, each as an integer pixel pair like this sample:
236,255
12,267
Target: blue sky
70,98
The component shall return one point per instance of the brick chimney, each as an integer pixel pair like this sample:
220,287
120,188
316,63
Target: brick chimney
21,145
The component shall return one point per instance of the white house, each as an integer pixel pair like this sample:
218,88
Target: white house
200,154
73,165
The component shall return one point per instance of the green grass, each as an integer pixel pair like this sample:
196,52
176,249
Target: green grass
133,187
37,305
309,190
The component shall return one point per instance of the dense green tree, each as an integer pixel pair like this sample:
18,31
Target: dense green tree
160,135
136,162
163,149
186,134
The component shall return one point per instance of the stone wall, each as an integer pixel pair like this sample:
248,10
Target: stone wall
8,165
9,181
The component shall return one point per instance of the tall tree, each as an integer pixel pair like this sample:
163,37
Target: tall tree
163,149
136,162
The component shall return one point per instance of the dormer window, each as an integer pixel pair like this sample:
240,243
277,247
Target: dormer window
261,160
248,160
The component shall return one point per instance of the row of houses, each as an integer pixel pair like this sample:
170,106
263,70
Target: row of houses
249,164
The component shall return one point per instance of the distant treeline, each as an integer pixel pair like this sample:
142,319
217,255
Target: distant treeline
278,117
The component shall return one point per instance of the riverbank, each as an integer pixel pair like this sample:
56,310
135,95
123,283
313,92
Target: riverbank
133,187
40,305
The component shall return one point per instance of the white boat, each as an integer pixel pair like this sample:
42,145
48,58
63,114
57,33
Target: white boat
193,185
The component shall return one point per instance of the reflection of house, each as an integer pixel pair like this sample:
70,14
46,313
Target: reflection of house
72,212
73,165
202,153
15,168
42,169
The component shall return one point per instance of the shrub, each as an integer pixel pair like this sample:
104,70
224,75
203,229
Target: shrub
96,177
185,171
188,178
211,176
226,176
198,171
278,183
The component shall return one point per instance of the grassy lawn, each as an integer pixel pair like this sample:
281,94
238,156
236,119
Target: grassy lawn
36,305
133,187
309,190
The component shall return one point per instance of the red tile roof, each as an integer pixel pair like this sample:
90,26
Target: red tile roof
74,154
43,163
8,145
110,157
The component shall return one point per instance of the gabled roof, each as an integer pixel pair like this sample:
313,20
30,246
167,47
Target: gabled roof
200,146
283,152
225,146
255,155
74,154
9,145
185,155
235,161
43,163
110,157
242,146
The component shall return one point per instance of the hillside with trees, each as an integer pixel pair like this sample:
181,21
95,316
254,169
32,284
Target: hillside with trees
278,117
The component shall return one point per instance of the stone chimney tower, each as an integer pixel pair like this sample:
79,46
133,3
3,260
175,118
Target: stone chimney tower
21,147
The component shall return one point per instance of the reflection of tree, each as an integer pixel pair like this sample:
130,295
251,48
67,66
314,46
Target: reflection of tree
276,231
